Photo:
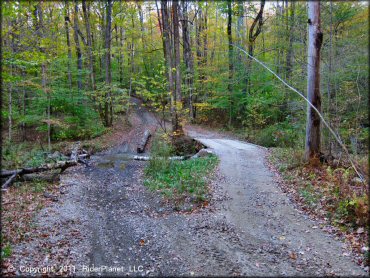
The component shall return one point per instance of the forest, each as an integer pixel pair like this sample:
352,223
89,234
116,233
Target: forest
290,76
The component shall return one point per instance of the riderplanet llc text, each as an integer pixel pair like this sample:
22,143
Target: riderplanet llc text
112,269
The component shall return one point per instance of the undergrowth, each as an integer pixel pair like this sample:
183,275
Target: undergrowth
331,191
178,180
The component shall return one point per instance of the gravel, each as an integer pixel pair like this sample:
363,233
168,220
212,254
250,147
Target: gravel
112,225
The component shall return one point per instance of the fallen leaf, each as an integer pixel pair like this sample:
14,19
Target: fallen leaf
293,255
360,230
142,242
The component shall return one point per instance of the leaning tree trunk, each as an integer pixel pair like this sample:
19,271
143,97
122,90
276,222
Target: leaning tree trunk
315,37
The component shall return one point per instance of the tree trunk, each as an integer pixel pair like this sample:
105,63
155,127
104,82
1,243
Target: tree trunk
176,38
43,67
66,25
188,58
330,95
289,56
108,109
121,57
142,32
257,23
315,37
231,63
89,45
167,51
10,107
10,93
78,47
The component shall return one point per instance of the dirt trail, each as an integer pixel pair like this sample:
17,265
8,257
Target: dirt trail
249,228
268,221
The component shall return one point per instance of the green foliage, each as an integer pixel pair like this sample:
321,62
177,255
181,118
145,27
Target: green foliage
178,179
6,251
309,195
181,178
276,135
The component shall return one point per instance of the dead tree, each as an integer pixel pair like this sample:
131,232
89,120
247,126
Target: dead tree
315,38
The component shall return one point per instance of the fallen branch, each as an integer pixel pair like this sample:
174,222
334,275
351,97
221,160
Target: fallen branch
9,181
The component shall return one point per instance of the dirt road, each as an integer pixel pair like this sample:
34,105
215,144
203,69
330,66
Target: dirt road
249,228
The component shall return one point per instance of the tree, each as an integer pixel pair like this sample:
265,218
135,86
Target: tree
78,47
66,26
108,105
315,38
188,58
86,14
176,41
231,54
253,34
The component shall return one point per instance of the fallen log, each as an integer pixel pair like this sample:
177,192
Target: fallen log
144,141
147,158
62,165
59,165
37,177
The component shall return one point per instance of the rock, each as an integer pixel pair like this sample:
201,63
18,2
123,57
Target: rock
203,153
50,196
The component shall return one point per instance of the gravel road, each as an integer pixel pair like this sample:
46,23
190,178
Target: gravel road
249,228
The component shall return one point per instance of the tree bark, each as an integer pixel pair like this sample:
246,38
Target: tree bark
188,58
78,47
66,25
290,26
108,109
257,23
315,38
178,97
47,92
231,55
167,51
89,45
330,95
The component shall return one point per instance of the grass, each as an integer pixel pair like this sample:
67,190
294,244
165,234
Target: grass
178,180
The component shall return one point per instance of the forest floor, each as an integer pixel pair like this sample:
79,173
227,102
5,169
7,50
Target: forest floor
106,222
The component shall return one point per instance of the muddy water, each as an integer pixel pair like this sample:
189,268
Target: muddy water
107,161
